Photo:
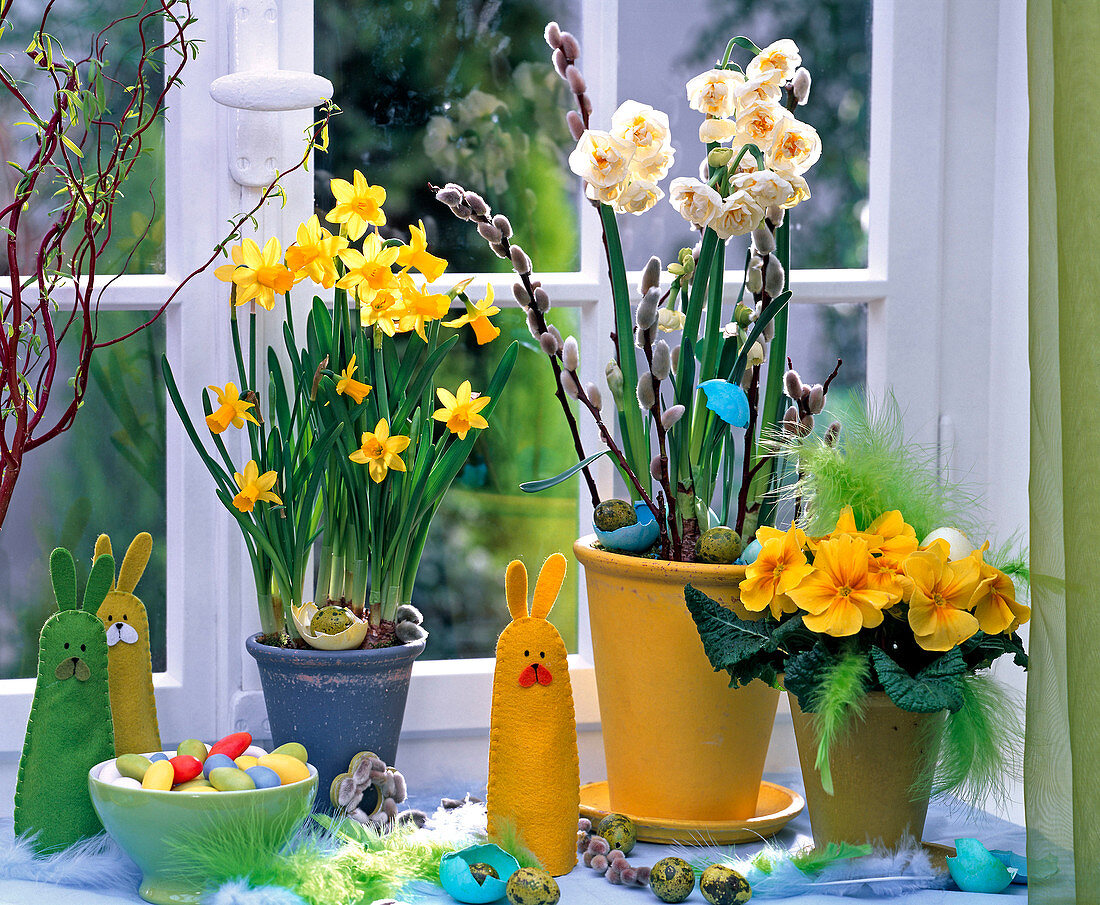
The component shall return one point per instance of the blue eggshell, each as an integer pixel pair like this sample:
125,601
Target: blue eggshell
264,777
217,760
1012,860
974,869
160,755
749,554
632,538
727,400
456,879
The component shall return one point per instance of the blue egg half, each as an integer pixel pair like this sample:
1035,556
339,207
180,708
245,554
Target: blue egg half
217,760
635,538
264,777
751,551
974,869
456,879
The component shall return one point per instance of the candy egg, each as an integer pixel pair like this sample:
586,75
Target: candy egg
264,777
133,765
722,885
245,761
126,782
195,785
214,761
294,749
158,755
290,769
108,772
194,748
227,779
672,879
159,776
254,751
232,746
186,768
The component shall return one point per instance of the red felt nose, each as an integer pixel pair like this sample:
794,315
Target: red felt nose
544,676
528,677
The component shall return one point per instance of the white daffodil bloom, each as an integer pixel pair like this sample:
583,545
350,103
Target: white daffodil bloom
696,201
638,196
795,149
655,167
715,92
758,124
767,188
600,159
758,90
645,128
776,62
719,130
739,214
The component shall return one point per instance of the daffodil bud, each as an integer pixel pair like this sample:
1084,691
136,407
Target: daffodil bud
800,85
533,325
675,359
792,384
742,315
790,420
763,240
720,157
646,315
614,377
832,434
594,396
570,45
757,354
489,233
570,355
575,79
575,123
662,360
774,215
651,275
773,277
560,62
816,402
477,204
503,224
542,299
552,34
646,397
548,344
449,196
569,385
520,261
671,415
754,278
657,468
730,331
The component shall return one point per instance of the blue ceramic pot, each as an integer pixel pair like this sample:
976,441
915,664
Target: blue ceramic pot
336,702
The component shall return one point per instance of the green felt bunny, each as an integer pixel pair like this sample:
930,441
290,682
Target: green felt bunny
69,730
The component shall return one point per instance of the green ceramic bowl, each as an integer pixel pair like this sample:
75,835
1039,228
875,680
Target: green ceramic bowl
155,828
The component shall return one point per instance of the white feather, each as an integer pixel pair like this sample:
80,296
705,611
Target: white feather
96,863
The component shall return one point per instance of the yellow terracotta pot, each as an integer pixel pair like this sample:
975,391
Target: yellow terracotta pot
679,742
881,774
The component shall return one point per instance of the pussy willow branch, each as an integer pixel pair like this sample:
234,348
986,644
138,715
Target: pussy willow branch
663,478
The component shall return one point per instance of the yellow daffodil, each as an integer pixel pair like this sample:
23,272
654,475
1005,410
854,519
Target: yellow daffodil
380,452
254,487
358,205
382,309
231,409
994,602
368,270
461,410
779,567
940,593
838,596
416,255
259,275
349,385
418,306
477,316
313,253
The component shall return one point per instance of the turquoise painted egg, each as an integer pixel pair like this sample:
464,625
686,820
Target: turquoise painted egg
975,869
751,551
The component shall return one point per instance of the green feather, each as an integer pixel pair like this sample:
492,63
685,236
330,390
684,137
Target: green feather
509,838
980,750
840,697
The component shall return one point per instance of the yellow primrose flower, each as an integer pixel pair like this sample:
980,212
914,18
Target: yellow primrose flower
347,384
258,274
477,316
313,253
418,306
780,566
368,270
358,205
461,411
380,452
940,593
254,487
838,596
994,602
415,254
231,409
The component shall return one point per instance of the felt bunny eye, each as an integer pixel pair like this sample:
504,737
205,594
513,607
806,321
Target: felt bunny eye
526,653
542,654
82,648
110,618
125,618
66,645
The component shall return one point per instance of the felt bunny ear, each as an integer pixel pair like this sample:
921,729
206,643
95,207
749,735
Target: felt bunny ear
515,587
103,546
548,585
99,582
135,561
63,577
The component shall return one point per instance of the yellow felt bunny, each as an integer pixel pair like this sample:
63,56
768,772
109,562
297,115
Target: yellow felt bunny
129,660
534,774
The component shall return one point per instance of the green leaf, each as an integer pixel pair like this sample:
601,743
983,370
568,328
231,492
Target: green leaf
546,483
981,650
934,688
804,675
739,646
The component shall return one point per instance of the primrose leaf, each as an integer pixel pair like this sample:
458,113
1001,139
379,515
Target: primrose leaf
934,688
805,673
741,647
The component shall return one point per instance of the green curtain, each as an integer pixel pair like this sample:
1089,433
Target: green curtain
1062,756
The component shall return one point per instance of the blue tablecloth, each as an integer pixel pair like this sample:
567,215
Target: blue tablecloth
945,824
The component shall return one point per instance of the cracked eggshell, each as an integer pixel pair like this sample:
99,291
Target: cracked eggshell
349,638
456,879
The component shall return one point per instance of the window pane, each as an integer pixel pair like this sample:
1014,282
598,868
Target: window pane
452,90
674,41
104,475
136,243
485,520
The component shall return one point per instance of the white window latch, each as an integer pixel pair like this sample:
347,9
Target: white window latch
257,92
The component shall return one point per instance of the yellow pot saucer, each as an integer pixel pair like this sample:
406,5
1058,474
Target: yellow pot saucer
775,808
